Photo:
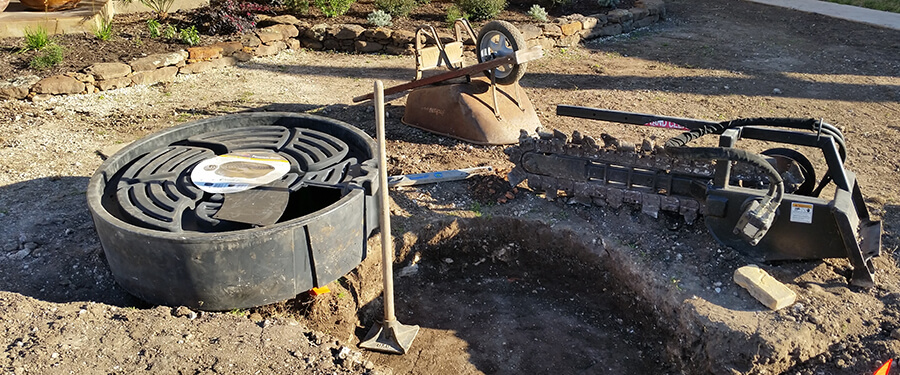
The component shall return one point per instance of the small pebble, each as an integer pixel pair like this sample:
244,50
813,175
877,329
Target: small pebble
776,91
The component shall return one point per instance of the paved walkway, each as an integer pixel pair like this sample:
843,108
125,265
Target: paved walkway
845,12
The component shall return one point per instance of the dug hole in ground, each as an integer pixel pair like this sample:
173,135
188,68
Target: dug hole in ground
530,285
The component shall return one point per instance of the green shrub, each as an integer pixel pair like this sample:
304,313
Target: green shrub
379,18
397,8
170,32
189,36
538,13
334,8
480,10
105,31
154,27
50,55
36,39
608,3
453,14
297,6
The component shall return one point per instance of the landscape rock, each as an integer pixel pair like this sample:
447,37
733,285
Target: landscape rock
242,56
287,31
285,19
17,88
270,34
250,40
349,31
311,43
402,37
228,47
204,53
197,67
149,77
58,84
551,30
158,61
317,32
113,83
269,49
639,13
83,77
568,41
378,33
292,44
109,70
367,47
570,28
619,16
764,288
530,31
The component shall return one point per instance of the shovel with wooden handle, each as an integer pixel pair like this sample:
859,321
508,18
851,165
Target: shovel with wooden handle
390,336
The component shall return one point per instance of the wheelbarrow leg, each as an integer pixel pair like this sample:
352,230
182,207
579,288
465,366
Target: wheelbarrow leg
494,92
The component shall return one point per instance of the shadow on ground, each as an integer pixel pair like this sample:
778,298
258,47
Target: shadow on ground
51,251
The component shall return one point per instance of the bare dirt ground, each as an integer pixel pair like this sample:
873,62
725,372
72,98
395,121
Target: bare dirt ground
528,286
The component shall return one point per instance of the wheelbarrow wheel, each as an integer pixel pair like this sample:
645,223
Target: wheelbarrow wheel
500,39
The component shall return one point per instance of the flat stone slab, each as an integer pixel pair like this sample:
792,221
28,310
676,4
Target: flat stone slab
844,12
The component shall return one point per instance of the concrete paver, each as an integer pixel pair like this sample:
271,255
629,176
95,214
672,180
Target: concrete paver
845,12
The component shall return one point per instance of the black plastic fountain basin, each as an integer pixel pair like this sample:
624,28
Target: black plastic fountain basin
165,245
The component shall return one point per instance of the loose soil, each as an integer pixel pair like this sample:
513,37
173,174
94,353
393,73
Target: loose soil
526,286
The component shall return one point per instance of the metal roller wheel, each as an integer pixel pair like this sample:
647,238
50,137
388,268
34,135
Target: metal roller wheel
500,39
786,159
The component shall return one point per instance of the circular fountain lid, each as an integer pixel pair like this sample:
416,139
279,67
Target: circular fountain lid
183,185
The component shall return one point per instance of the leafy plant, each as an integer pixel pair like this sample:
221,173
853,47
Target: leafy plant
538,13
105,31
47,57
297,6
379,18
399,8
453,14
239,312
189,36
170,32
161,7
608,3
154,27
231,16
480,10
36,39
334,8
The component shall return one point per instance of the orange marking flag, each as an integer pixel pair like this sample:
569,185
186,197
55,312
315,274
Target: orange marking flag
885,368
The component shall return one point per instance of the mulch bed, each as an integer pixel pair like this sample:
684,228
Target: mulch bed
132,37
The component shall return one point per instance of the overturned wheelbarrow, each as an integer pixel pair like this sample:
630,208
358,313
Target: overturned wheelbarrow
168,241
491,110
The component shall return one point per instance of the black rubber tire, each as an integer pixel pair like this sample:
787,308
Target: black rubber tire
508,33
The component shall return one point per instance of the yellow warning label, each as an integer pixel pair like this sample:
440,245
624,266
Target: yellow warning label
801,213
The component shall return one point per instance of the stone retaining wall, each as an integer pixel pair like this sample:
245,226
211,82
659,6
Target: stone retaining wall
279,33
